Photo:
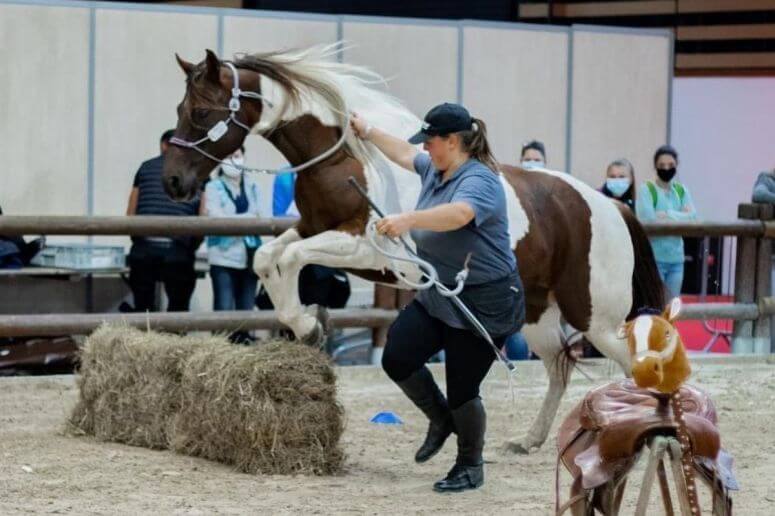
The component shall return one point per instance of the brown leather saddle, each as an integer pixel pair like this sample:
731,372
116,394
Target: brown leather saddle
603,435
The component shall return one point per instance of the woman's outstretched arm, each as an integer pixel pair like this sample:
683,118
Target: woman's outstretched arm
397,150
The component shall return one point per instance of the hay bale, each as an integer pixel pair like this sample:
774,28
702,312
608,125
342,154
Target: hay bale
268,409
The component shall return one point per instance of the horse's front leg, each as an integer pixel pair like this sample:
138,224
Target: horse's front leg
331,248
265,263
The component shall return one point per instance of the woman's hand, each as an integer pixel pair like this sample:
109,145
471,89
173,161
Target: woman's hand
397,150
395,225
359,126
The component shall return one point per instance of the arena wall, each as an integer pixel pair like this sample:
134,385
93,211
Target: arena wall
95,84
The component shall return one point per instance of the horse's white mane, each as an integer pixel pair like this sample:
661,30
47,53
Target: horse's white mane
342,87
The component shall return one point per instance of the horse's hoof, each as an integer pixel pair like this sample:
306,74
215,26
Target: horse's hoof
516,447
316,338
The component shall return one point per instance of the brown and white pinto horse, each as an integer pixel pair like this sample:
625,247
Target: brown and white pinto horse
579,254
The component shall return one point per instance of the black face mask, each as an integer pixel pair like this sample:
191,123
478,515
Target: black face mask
666,174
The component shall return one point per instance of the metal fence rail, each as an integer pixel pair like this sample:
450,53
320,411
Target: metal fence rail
83,324
752,311
146,225
141,225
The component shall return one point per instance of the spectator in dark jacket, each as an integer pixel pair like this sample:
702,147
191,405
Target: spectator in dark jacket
160,259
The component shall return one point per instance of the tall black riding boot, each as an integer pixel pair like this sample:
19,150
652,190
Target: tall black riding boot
423,391
468,471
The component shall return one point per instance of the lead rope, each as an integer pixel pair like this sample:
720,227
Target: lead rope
429,271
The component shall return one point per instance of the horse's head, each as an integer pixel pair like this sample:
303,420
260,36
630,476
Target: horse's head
659,359
220,106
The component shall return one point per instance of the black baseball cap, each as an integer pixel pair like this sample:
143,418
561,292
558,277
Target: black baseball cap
442,120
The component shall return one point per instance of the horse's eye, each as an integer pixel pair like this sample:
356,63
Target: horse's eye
199,114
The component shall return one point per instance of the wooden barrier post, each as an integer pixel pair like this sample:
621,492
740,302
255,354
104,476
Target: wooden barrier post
762,343
745,281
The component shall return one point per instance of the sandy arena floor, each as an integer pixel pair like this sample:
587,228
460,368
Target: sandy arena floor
44,471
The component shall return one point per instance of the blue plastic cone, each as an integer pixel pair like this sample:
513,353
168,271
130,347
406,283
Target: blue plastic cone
387,418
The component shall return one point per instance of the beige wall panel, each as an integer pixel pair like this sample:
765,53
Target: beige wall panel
516,81
44,53
138,85
620,94
419,61
248,34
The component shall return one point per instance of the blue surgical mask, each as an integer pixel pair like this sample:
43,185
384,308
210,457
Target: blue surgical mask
617,185
531,164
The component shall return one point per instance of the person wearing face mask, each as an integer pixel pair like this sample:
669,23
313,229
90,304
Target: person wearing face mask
232,193
665,199
461,211
620,182
533,155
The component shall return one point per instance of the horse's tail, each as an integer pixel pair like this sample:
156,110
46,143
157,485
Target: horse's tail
647,288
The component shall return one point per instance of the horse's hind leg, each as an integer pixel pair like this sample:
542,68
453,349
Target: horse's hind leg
544,339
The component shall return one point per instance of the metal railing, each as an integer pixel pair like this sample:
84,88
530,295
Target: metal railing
753,307
145,225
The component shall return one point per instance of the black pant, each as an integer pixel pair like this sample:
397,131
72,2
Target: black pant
149,263
415,336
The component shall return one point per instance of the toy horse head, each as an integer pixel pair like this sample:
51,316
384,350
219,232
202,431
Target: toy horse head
659,359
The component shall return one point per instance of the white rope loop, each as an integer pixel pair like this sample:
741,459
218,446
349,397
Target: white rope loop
427,269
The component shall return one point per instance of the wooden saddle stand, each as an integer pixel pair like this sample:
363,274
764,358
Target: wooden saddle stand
602,438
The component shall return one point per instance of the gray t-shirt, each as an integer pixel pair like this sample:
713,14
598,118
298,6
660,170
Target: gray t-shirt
486,236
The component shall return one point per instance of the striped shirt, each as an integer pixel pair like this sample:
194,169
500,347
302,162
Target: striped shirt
153,200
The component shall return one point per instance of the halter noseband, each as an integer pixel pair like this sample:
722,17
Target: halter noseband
220,129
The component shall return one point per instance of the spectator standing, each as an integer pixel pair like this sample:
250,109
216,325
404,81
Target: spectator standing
160,259
665,199
232,193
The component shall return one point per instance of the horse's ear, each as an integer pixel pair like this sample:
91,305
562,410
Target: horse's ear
184,65
213,66
672,309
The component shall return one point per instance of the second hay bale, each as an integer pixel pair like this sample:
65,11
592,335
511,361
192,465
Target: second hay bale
274,412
